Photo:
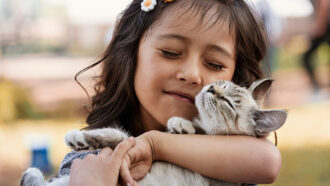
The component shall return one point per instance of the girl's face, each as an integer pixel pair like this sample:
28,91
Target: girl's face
176,58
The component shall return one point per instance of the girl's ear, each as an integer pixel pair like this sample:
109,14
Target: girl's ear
259,88
268,121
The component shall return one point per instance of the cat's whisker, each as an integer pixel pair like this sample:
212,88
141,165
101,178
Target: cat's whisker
209,105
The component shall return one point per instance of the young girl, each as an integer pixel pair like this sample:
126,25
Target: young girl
161,55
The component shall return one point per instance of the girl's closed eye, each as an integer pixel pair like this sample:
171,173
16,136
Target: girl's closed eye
215,65
175,55
170,54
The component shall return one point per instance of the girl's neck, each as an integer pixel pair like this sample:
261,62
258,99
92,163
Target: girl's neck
146,123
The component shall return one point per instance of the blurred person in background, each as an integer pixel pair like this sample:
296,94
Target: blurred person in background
320,33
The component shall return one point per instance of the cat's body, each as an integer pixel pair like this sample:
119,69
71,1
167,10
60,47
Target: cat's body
224,109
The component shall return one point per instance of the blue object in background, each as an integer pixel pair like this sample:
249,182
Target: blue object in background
39,145
40,159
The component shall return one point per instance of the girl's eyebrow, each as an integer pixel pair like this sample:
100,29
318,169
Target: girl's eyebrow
187,40
222,50
174,36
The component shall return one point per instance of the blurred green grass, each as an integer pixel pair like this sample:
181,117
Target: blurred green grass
305,167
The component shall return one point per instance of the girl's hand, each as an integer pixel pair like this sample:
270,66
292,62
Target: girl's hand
140,158
102,169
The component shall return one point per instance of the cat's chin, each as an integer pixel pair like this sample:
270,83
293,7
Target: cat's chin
203,110
199,101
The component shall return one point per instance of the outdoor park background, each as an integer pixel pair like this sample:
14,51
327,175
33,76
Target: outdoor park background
44,43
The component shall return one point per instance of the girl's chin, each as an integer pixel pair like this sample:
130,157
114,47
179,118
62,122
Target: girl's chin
180,107
187,114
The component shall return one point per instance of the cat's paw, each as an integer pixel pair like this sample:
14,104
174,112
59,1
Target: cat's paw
32,176
75,139
94,139
177,125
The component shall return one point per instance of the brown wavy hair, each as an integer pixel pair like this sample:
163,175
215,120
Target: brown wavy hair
115,99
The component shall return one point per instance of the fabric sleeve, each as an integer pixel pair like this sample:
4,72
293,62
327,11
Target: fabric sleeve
70,157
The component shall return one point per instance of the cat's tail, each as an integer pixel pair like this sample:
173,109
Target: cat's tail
32,177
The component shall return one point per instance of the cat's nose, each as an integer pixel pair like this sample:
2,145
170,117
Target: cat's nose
211,89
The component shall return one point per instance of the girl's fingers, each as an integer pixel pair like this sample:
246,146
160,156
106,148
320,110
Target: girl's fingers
123,147
125,174
135,183
120,151
105,152
76,163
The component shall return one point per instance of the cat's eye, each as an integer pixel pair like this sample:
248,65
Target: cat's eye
215,66
226,100
170,55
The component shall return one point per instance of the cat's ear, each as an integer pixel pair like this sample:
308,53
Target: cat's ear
268,121
259,88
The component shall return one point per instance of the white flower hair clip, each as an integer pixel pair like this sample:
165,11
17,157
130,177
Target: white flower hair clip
148,5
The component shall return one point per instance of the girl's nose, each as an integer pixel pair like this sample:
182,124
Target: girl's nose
190,72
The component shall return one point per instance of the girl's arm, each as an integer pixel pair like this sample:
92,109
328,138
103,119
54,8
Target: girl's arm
239,159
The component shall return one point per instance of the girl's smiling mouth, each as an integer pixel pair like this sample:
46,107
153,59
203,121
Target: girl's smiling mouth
181,96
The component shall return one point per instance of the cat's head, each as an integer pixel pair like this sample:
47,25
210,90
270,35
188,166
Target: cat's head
226,108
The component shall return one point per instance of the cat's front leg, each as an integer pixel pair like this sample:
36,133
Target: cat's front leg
178,125
94,139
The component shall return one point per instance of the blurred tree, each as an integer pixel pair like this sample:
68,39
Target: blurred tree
7,105
15,103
